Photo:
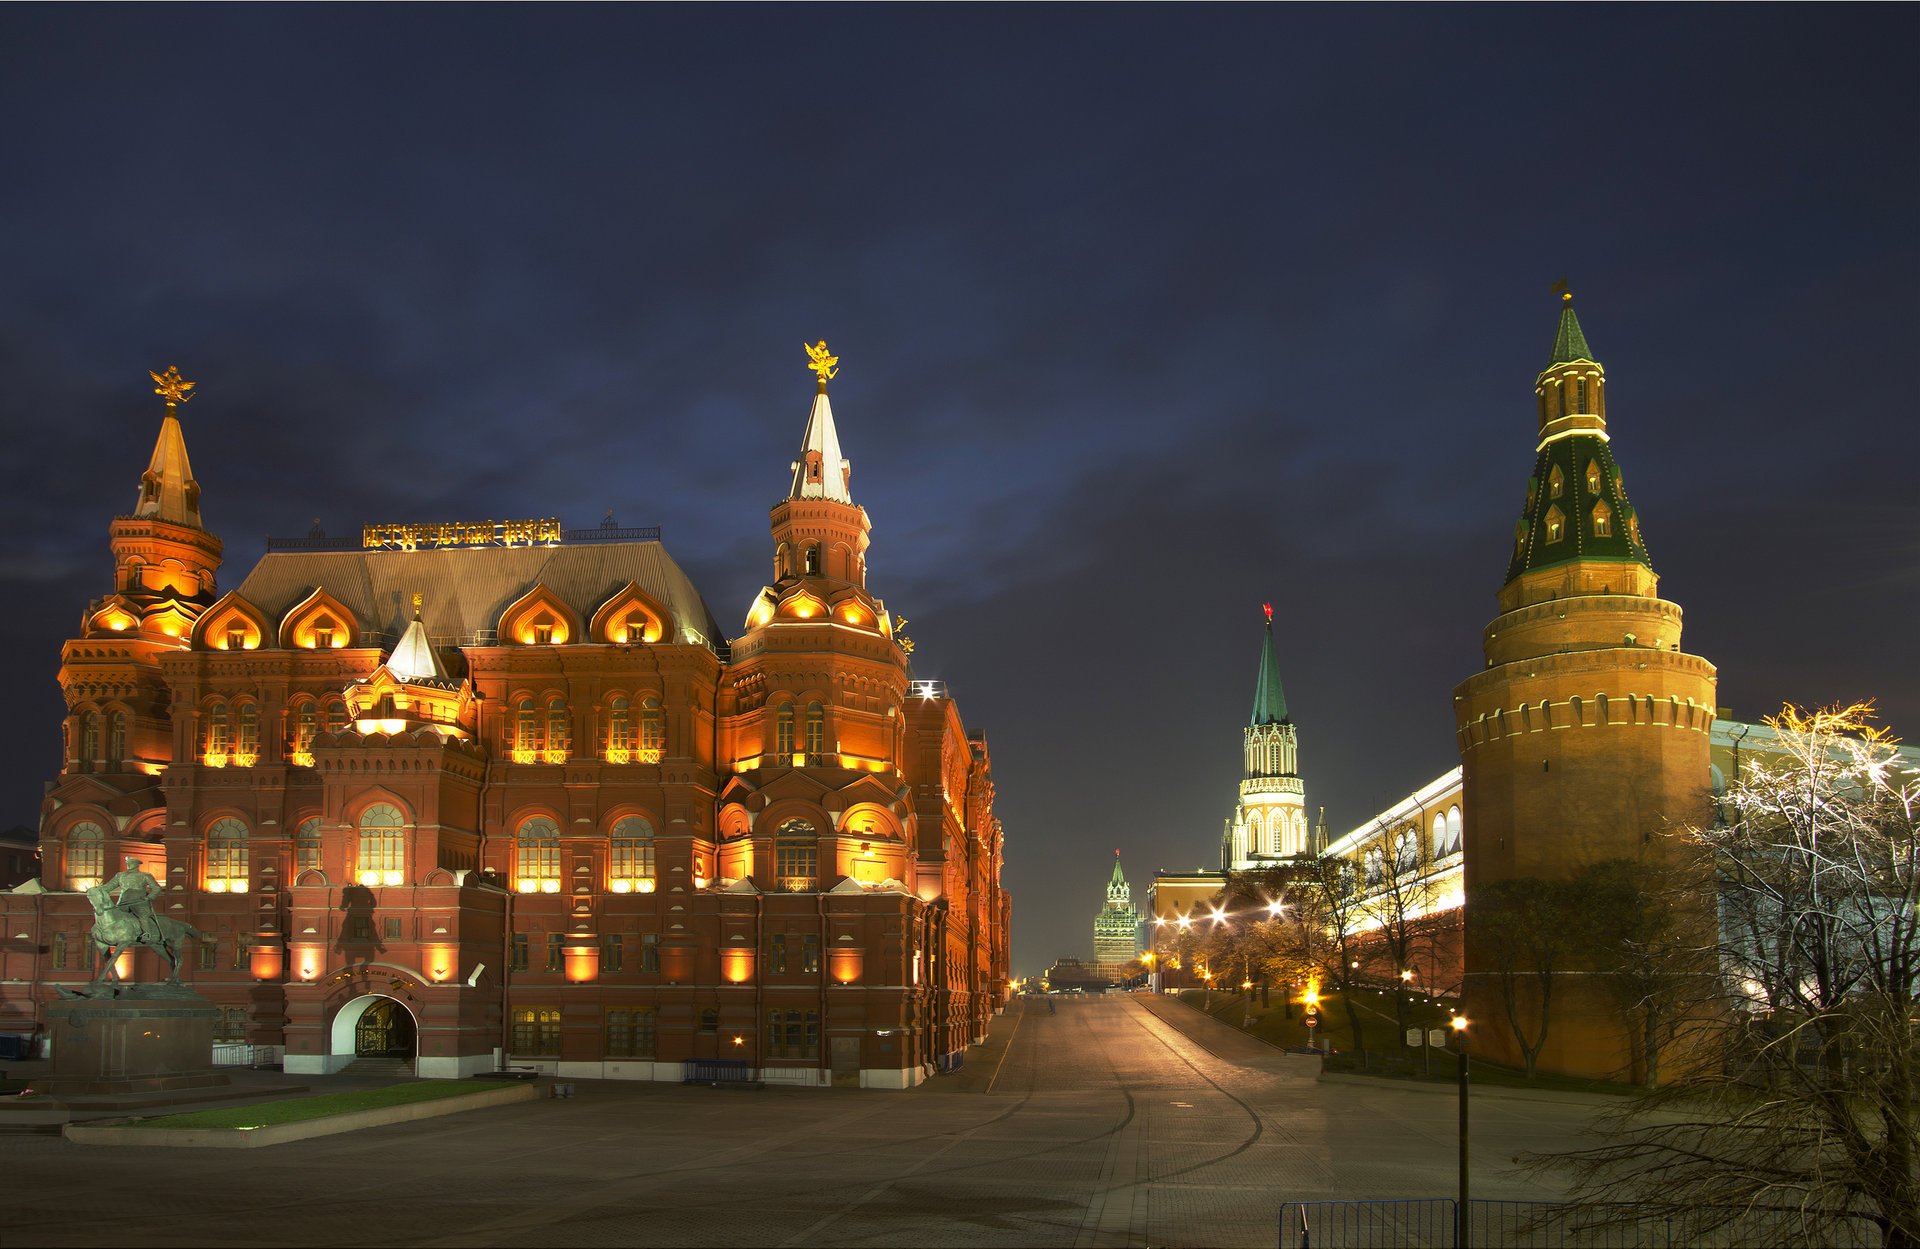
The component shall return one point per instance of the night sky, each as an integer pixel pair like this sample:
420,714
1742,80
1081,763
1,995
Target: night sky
1146,316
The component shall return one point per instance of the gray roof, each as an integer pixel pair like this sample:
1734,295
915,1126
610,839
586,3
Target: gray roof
467,588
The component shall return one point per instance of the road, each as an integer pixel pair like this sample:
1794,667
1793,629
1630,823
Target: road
1115,1121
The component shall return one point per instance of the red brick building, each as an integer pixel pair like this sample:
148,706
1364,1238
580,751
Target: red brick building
471,789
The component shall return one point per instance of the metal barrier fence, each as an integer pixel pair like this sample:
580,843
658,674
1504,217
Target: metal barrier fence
1431,1223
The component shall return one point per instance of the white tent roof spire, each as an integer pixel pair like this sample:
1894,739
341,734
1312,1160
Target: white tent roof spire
821,472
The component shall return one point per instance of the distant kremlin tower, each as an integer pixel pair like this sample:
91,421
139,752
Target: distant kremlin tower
1269,823
1116,929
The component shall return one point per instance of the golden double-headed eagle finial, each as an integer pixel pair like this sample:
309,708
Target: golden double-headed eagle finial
171,386
821,361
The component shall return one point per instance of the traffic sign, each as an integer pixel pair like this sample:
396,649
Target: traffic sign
1313,1021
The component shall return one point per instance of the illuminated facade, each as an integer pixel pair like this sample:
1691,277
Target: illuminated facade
472,789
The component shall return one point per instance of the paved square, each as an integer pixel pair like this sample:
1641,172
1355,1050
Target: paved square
1111,1121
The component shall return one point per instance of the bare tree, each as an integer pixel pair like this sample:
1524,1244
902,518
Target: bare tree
1802,1129
1394,905
1527,928
1645,950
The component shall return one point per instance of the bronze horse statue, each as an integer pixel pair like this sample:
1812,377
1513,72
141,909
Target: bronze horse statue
116,930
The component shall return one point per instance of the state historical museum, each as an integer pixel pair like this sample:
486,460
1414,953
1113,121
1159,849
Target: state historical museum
469,794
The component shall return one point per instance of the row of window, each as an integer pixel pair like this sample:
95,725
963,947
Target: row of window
545,735
613,953
629,1031
1405,854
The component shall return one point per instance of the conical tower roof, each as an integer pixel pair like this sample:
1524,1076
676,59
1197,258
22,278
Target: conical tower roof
413,659
1569,342
1269,700
821,472
167,490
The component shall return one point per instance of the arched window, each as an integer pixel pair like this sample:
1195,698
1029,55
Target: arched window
89,740
1375,870
1406,853
1453,830
653,730
306,722
813,560
619,731
227,856
1439,835
796,857
246,738
336,716
815,740
783,732
116,739
218,744
526,731
557,734
632,865
383,846
86,855
306,845
536,864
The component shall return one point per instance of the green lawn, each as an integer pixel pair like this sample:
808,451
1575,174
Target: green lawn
296,1109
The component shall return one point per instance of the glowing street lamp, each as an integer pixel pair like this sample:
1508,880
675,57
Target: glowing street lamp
1460,1215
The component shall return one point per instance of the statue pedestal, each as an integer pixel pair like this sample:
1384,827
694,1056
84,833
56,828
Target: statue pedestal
144,1038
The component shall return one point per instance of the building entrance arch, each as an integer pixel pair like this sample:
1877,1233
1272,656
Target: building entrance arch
373,1026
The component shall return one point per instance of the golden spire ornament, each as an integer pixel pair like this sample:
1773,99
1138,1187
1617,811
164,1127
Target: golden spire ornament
821,361
171,386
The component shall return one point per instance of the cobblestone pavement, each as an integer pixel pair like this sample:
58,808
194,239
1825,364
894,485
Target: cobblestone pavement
1113,1121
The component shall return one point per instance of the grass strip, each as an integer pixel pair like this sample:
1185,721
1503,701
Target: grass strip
297,1109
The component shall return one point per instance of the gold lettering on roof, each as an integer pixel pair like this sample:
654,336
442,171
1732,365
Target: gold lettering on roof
462,533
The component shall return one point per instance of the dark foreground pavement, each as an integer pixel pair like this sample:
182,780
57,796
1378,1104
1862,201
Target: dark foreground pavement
1115,1121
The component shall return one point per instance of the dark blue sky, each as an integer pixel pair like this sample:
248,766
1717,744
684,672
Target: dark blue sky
1146,315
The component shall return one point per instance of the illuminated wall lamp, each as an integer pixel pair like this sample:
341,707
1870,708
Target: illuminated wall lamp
268,958
307,961
123,965
737,965
582,957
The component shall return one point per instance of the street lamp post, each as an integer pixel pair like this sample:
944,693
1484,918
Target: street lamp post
1461,1221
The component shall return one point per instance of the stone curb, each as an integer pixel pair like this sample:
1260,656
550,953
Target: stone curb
281,1133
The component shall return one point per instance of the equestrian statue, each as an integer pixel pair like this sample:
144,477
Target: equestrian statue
124,920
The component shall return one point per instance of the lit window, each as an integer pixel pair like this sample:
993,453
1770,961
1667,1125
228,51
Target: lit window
306,721
383,847
619,732
557,732
116,739
796,857
246,743
536,1030
526,731
816,734
632,856
1556,483
653,730
217,744
1593,477
537,856
1602,520
1556,524
227,856
336,716
306,845
86,855
783,732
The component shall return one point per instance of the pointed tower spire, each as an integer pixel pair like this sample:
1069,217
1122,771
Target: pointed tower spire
1269,700
413,658
167,489
821,472
1576,512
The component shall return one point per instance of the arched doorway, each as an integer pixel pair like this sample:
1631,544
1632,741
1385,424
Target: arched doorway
376,1029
